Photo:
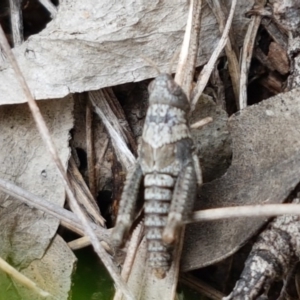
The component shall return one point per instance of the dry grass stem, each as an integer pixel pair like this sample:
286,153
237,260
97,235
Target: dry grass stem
218,88
16,20
135,240
201,287
83,194
233,63
90,150
50,7
189,50
44,132
113,128
85,241
247,55
100,159
265,210
22,279
66,217
202,123
79,243
175,267
118,111
208,68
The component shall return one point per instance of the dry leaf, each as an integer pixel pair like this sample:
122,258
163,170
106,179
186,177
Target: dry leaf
100,44
53,272
26,232
213,141
265,169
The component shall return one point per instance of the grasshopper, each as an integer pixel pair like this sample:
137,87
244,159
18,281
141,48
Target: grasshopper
170,171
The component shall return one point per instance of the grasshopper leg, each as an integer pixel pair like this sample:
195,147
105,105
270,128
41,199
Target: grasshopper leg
182,202
127,205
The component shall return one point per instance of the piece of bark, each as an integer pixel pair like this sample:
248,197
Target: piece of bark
100,43
274,254
264,169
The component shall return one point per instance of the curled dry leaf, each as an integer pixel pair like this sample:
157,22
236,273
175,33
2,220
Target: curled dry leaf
264,169
100,44
26,232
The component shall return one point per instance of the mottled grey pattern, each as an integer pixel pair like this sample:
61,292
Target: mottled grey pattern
164,124
272,257
167,163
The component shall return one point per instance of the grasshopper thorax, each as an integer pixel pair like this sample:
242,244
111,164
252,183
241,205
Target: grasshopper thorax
164,90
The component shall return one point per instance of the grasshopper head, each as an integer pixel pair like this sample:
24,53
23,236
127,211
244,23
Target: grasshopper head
164,90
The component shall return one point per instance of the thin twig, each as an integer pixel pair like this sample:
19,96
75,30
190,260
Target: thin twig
22,279
66,217
100,159
218,88
247,54
233,63
44,132
264,210
83,194
50,7
187,59
90,149
208,68
135,240
16,20
85,241
119,113
79,243
201,123
125,156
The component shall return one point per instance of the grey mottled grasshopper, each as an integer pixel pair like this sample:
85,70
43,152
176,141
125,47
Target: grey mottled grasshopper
170,170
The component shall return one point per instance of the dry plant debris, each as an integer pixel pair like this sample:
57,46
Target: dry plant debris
265,139
23,162
94,44
264,169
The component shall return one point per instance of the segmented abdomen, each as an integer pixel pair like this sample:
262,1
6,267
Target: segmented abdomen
158,196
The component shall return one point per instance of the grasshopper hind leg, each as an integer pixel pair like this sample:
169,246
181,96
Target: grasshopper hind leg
182,202
127,205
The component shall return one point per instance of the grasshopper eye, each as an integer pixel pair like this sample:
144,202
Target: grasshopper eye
174,88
